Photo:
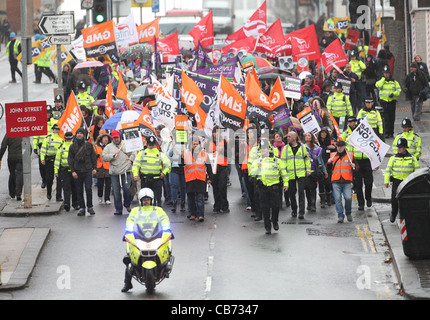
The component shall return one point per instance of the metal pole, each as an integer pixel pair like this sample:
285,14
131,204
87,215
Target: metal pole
26,143
59,72
141,14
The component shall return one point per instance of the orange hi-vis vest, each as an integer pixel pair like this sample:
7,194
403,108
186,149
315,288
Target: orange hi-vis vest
195,169
222,159
342,167
245,160
100,162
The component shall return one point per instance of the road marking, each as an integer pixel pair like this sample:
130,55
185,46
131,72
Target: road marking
366,238
209,269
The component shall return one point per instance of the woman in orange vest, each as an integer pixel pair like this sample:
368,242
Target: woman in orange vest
198,173
102,172
343,165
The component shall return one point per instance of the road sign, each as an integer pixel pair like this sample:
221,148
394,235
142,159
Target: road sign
57,24
26,119
155,6
60,39
141,3
87,4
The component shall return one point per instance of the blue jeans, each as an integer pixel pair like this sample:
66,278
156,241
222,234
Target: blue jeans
177,181
344,189
125,185
196,204
243,184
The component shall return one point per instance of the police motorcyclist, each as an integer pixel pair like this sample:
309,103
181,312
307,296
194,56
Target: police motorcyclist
144,212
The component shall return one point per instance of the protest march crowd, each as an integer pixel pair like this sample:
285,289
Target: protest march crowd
143,113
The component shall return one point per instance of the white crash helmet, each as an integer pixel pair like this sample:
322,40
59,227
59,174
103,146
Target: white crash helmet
145,193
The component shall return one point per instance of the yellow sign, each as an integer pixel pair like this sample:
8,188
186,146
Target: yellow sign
144,3
65,57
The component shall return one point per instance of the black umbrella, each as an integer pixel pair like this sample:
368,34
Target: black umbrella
142,91
271,76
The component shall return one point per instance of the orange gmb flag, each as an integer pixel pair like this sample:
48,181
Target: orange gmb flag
192,96
122,92
147,31
72,118
253,91
145,123
109,101
277,97
232,106
99,39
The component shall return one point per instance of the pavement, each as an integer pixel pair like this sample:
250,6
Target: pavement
20,247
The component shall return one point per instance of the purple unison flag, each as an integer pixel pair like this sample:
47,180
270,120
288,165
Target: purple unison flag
282,119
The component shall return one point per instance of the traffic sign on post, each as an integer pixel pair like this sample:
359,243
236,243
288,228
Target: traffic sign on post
60,39
57,24
155,6
26,119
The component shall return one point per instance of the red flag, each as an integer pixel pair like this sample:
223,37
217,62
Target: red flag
247,44
305,43
272,42
288,46
255,26
169,44
334,55
203,31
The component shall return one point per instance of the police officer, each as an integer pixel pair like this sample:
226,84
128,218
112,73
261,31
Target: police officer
339,106
357,67
389,90
13,49
373,116
38,140
62,171
296,161
399,167
58,107
83,97
51,144
254,154
146,211
270,170
44,66
414,140
151,165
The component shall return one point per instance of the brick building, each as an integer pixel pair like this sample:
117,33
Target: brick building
13,9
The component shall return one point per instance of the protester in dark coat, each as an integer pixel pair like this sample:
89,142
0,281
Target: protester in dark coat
415,83
14,163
